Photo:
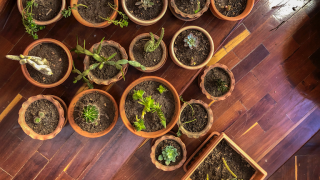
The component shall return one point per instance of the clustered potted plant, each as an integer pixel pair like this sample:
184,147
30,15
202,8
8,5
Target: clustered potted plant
188,10
231,10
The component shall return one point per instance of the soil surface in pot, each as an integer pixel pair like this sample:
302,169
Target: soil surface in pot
141,13
106,111
58,61
211,81
237,7
147,59
195,56
108,71
96,8
46,10
189,6
151,120
162,145
199,113
215,168
50,121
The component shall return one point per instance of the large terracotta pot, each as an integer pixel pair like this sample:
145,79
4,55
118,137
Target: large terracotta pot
75,126
244,14
156,133
184,16
34,44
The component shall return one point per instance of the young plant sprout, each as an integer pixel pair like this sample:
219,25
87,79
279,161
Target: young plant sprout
161,89
39,118
42,65
67,12
169,154
139,124
222,86
198,7
181,99
226,7
151,45
226,165
144,4
91,114
179,132
122,23
27,20
191,41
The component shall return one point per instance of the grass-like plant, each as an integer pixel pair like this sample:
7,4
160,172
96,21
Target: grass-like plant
39,118
144,4
123,22
191,41
198,7
27,20
162,89
169,154
228,168
221,85
152,45
67,12
181,99
179,132
91,114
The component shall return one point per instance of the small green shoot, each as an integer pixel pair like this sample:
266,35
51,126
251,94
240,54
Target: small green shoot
181,99
222,86
198,7
161,89
91,114
137,95
179,132
144,4
39,118
151,45
157,108
122,23
226,165
169,154
67,12
27,20
139,124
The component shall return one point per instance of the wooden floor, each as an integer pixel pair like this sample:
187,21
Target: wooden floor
272,113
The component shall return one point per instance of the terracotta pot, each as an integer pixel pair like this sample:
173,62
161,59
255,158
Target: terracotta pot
203,89
184,16
44,23
64,106
91,24
244,14
28,130
258,175
164,167
174,58
75,126
34,44
116,78
144,22
209,124
164,52
156,133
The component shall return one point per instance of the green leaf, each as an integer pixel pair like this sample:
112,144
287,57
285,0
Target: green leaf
100,46
134,63
119,67
161,89
101,66
143,68
112,56
123,61
137,95
160,158
139,124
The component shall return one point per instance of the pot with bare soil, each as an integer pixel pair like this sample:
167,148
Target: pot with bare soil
188,10
231,10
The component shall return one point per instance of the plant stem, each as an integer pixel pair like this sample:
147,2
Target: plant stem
225,163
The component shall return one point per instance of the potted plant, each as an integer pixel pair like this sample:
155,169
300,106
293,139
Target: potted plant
93,113
188,10
221,158
41,117
195,118
145,12
149,50
217,82
231,10
149,107
191,48
168,153
46,63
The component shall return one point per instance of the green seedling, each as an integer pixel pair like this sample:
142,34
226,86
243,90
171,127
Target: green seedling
67,12
191,41
222,85
198,7
152,45
27,20
228,168
39,118
123,22
161,89
139,124
179,132
137,95
169,154
91,114
181,99
144,4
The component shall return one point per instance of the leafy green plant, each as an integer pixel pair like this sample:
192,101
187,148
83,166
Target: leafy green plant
198,7
228,168
191,41
144,4
222,85
138,94
67,12
162,89
139,124
27,20
156,108
123,22
39,118
151,45
169,154
91,114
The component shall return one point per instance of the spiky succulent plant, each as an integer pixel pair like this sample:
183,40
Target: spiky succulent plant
144,4
152,45
91,113
39,118
169,154
191,41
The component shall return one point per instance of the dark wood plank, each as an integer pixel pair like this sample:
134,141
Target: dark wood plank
315,58
64,176
4,175
8,143
286,172
230,60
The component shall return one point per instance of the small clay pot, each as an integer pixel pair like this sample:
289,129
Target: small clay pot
173,56
164,52
244,14
174,119
90,24
164,167
33,45
116,78
44,23
75,126
144,22
209,124
28,130
184,16
203,89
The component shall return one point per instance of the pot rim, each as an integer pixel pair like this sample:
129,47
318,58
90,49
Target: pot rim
190,16
245,13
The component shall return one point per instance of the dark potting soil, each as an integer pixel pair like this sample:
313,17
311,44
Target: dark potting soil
215,168
49,123
190,6
210,81
46,10
58,61
199,113
147,59
168,142
237,7
108,71
106,112
151,120
96,8
141,13
195,56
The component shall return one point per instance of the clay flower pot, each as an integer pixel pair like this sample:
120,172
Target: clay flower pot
141,21
115,78
33,45
164,167
209,124
174,119
172,53
90,24
44,23
244,14
162,45
259,174
75,126
184,16
28,130
202,79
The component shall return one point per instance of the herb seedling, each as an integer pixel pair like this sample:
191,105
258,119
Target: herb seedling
226,7
139,124
169,154
144,4
222,85
198,7
27,20
191,41
39,118
226,165
151,45
91,114
179,132
122,23
161,89
67,12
